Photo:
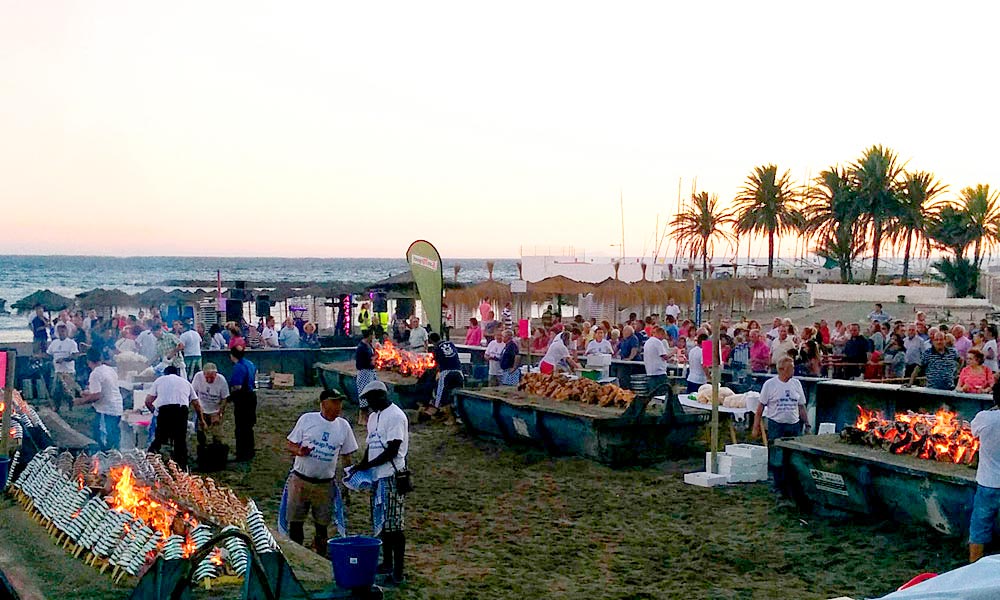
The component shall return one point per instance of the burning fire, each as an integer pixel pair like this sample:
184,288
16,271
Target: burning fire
943,436
216,557
390,358
137,499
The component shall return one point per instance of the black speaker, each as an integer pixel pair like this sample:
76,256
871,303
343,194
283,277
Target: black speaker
379,303
263,305
234,310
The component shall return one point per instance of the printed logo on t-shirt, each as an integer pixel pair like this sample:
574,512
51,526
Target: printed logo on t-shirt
326,436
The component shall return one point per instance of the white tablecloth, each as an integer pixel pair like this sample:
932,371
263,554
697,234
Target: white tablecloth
738,413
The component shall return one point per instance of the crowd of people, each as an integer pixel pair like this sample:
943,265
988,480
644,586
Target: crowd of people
949,356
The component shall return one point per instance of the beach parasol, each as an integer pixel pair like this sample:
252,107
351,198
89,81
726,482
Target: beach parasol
648,292
49,300
102,298
150,297
484,290
557,285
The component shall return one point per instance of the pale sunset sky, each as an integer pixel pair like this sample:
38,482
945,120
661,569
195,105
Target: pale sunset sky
351,129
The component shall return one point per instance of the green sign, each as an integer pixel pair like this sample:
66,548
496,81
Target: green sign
425,263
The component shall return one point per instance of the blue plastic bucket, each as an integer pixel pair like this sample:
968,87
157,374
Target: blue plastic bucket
354,560
4,471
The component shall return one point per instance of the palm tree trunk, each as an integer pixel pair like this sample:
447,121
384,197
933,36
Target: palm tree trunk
877,243
906,256
770,253
977,258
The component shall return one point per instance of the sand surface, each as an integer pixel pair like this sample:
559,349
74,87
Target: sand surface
487,521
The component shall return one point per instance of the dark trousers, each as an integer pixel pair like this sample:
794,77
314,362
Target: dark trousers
171,427
777,430
245,417
909,369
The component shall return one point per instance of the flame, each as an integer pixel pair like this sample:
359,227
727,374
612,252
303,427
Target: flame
137,499
216,557
390,358
942,436
189,547
3,406
13,432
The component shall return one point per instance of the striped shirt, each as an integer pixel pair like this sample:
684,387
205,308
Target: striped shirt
940,368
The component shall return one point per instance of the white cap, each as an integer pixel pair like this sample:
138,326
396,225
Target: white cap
373,386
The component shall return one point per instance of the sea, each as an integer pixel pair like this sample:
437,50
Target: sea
22,275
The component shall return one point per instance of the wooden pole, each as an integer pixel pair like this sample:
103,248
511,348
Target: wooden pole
716,375
8,400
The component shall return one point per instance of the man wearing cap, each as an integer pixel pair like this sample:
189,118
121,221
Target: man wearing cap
385,454
212,390
317,442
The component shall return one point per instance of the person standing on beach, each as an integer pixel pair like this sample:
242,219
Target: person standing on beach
169,398
289,336
493,351
39,325
191,340
418,335
146,341
169,349
364,364
364,317
103,393
940,364
268,336
387,445
986,504
212,390
318,442
242,391
64,352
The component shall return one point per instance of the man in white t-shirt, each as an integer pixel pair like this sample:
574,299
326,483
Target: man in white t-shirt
990,348
318,441
170,397
986,504
64,352
654,357
386,447
269,336
418,336
672,309
212,391
696,369
783,403
599,345
192,351
493,353
103,393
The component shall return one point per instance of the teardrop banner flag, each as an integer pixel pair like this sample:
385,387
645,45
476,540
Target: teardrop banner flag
425,264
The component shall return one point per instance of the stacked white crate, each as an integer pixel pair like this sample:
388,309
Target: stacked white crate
741,463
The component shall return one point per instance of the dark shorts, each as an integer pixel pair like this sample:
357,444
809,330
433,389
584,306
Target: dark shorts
777,430
984,514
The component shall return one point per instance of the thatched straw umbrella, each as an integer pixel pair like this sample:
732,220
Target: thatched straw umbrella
49,300
489,290
101,298
615,291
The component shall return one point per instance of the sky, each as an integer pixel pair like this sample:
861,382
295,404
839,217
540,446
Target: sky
494,130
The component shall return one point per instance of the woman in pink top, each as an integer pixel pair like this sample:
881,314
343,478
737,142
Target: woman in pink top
474,334
975,378
760,352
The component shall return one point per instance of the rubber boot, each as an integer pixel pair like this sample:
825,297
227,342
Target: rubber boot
398,556
319,540
385,568
295,532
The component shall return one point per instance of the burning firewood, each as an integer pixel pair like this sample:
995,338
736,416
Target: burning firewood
941,437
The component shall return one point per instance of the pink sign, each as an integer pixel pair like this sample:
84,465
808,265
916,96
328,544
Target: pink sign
522,329
3,369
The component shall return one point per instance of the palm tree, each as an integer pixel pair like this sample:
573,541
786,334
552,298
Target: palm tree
916,209
876,179
832,214
983,210
698,226
767,204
